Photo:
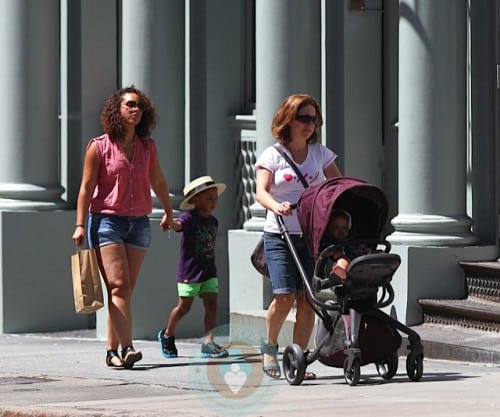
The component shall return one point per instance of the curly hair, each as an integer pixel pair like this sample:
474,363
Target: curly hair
112,120
286,114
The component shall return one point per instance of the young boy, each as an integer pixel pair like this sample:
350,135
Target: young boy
196,272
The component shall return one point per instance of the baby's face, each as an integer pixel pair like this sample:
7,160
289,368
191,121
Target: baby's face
338,227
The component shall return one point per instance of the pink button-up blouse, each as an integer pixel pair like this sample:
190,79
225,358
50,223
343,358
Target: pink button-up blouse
123,186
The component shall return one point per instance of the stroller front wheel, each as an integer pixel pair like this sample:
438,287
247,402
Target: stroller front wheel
294,364
352,374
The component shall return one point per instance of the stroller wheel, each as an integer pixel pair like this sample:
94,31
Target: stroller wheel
294,364
389,367
415,366
353,373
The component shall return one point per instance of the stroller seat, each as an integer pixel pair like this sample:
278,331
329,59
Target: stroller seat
367,273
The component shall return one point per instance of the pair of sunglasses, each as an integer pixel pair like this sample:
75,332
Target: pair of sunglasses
133,105
305,118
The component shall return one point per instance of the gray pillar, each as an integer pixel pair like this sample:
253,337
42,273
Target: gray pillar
288,57
288,61
29,80
152,57
432,125
196,88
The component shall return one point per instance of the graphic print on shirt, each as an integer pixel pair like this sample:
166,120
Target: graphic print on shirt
288,177
205,243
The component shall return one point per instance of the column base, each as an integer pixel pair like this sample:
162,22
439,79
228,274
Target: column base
432,230
22,196
431,272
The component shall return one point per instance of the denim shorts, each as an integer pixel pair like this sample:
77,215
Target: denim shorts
285,276
105,229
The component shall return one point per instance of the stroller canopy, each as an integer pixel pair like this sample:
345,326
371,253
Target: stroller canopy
366,204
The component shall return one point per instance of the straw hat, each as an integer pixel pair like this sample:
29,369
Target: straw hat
197,186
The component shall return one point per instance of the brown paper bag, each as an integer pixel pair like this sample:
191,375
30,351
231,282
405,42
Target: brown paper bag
87,287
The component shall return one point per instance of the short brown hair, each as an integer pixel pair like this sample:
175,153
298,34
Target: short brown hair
287,112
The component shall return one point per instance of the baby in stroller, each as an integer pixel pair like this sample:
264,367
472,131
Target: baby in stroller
342,251
342,219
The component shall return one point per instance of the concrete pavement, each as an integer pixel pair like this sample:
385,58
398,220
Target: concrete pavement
59,375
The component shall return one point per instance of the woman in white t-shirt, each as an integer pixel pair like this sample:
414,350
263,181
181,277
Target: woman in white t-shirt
296,127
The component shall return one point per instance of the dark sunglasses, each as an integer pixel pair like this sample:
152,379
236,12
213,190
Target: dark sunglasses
305,118
133,105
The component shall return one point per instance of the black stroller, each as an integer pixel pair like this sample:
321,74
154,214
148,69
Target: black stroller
351,330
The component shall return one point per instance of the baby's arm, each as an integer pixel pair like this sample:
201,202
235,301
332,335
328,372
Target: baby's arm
340,267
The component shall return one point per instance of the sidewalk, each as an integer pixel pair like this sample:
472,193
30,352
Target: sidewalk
64,374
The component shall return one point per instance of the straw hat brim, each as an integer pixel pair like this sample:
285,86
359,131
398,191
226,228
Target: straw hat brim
186,205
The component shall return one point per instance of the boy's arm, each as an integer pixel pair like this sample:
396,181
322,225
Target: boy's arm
176,225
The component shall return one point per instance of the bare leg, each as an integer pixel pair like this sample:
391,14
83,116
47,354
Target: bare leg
304,321
276,316
120,266
178,312
210,304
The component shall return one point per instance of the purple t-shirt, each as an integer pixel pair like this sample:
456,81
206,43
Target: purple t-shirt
197,251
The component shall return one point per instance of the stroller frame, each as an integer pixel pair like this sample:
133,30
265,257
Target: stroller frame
353,302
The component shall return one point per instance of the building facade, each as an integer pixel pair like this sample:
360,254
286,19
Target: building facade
409,91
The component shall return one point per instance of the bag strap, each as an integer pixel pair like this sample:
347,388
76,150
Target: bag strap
292,165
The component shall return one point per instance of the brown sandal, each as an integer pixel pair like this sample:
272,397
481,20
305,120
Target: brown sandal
309,376
113,360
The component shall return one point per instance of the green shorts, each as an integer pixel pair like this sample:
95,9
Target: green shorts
192,289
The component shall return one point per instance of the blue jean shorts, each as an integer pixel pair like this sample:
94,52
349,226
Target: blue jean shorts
105,229
283,271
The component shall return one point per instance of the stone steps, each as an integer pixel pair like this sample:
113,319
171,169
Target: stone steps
480,310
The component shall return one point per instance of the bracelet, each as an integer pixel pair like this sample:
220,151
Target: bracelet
80,225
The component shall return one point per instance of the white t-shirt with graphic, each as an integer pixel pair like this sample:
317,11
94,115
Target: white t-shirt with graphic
286,186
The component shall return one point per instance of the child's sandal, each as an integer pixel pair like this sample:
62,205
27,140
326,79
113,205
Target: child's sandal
270,369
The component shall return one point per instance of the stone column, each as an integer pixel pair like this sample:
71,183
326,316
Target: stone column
29,81
288,57
288,61
432,125
152,52
432,231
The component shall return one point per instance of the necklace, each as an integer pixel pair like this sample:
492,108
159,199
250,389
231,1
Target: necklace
127,145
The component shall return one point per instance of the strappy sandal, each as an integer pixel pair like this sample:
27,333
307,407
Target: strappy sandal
113,360
309,376
271,369
130,356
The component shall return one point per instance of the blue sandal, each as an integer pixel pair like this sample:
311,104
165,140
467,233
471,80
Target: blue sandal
272,370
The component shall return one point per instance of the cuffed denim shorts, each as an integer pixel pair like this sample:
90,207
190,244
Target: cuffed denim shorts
105,229
283,271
